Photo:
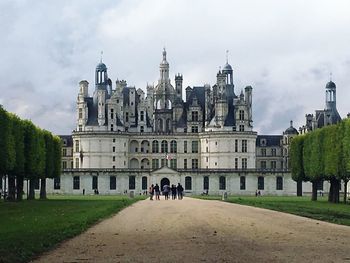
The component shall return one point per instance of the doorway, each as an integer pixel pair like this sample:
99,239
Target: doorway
164,181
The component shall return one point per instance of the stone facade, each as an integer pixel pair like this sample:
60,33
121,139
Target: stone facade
126,140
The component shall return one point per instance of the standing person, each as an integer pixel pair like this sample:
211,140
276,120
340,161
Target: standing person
166,189
157,190
179,189
151,192
173,191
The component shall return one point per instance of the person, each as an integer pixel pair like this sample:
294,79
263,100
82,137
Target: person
166,189
179,189
151,192
173,191
256,193
157,190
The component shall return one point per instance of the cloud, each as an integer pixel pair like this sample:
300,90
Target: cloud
284,49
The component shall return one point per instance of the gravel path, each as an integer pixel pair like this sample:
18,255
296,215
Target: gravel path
194,230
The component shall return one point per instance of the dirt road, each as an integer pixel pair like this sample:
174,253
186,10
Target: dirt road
194,230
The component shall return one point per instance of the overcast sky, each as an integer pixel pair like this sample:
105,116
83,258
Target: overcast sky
284,49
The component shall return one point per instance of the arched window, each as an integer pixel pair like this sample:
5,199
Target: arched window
155,147
222,183
206,183
242,183
279,183
173,146
132,182
188,183
164,147
144,182
260,183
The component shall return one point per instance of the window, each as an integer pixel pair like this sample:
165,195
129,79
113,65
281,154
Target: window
173,146
207,159
185,163
126,116
263,164
241,128
64,165
222,183
113,149
194,129
173,164
188,183
244,163
207,149
132,182
142,129
242,183
236,163
185,146
142,116
112,128
76,182
64,152
194,115
164,147
80,113
194,163
244,146
263,152
279,183
76,146
155,163
273,151
57,183
260,183
236,145
94,182
113,158
206,183
155,147
273,164
80,127
163,162
241,115
112,113
77,163
194,146
112,183
144,182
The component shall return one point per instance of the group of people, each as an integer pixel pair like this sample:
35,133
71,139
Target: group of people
176,191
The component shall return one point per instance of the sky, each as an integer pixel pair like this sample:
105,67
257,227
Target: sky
286,50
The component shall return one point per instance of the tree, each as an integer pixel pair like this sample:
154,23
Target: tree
17,173
49,162
7,149
346,155
296,161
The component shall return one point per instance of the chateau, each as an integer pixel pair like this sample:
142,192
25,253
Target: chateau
200,136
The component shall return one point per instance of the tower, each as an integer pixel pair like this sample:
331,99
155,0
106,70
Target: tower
100,94
330,96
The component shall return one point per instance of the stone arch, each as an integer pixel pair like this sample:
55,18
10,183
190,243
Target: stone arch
145,164
145,146
134,146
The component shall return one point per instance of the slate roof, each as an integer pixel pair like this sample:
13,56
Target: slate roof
67,140
271,140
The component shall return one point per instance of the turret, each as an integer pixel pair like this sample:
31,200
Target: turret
84,88
330,96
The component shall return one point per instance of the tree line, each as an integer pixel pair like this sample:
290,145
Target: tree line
323,154
27,153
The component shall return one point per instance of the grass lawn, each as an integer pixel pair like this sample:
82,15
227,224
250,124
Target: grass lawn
29,228
302,206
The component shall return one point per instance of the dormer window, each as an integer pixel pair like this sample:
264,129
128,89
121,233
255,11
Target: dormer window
262,142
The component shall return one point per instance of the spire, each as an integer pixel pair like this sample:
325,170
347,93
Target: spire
226,56
164,54
330,76
101,56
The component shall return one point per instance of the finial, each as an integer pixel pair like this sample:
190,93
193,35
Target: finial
291,123
226,56
101,56
164,54
330,76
